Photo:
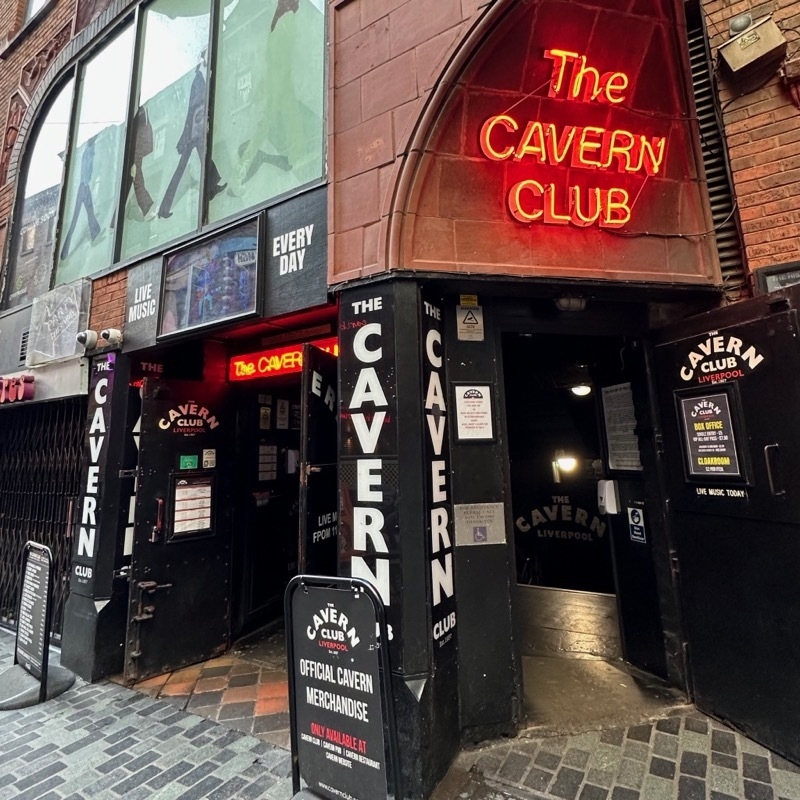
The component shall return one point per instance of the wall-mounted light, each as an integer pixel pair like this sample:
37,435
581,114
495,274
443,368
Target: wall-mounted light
563,462
581,390
570,302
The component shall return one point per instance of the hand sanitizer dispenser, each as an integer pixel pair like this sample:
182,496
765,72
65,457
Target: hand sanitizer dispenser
607,497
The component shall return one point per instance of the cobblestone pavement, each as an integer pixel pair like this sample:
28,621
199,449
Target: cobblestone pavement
683,756
106,741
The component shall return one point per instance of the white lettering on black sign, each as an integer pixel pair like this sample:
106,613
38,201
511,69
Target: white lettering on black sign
719,358
144,304
290,249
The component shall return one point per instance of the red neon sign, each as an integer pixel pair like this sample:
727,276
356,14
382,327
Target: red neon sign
590,147
278,361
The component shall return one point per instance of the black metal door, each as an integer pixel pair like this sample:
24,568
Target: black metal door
729,391
180,572
319,493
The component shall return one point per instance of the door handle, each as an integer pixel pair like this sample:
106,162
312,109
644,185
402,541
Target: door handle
155,534
773,463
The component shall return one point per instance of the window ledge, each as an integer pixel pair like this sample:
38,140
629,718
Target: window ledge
8,46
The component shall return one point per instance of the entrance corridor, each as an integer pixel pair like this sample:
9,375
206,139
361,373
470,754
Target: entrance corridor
245,689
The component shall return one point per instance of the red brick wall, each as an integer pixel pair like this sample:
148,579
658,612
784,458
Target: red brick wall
108,301
762,129
385,58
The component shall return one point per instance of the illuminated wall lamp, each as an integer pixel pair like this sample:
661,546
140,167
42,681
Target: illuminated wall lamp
581,390
570,302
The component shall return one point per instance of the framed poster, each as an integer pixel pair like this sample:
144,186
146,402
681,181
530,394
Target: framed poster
192,506
709,435
474,417
213,281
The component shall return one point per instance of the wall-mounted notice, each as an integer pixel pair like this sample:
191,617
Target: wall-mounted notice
480,523
282,418
710,441
192,507
474,412
620,422
267,462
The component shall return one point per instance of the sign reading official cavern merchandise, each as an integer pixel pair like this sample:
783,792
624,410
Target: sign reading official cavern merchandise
337,694
32,633
710,442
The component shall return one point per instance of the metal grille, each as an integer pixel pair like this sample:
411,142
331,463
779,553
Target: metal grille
715,160
41,448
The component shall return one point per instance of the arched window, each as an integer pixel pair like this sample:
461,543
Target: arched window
198,113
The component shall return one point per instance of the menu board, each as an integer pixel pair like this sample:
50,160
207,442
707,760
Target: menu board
192,507
710,439
32,634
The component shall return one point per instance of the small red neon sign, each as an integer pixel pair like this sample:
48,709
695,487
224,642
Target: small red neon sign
589,147
278,361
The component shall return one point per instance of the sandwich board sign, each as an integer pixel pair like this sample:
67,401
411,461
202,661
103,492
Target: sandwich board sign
342,720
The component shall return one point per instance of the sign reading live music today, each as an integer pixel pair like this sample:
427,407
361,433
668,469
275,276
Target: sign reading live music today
337,694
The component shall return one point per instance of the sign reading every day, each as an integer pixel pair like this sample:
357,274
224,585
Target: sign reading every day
337,692
710,441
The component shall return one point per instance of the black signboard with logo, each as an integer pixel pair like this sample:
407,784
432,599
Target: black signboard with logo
709,436
33,626
337,695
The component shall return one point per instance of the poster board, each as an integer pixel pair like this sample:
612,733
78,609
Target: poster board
343,731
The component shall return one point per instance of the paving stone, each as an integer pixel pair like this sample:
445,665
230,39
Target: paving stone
577,758
723,742
665,745
612,736
547,760
696,725
662,767
641,733
590,792
621,793
538,779
694,764
671,726
691,788
758,791
514,767
567,783
723,760
756,767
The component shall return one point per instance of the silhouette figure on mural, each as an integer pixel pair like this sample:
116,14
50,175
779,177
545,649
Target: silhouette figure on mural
251,155
83,199
192,138
142,146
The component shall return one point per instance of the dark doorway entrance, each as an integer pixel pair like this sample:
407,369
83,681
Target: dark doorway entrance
576,577
286,486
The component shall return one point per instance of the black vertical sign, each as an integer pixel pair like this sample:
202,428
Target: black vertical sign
319,490
369,525
336,691
33,619
90,506
438,503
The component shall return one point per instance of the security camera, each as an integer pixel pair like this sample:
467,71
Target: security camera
87,339
111,336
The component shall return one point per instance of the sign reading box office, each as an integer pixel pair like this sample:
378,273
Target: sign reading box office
336,692
709,436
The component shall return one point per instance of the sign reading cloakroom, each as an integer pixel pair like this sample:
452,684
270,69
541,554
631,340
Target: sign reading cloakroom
339,717
710,441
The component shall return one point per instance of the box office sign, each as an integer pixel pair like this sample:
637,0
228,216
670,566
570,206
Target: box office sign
335,689
709,435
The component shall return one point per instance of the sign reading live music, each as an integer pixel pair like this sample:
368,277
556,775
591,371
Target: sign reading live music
337,694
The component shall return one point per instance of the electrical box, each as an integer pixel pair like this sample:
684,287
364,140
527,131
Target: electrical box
760,46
